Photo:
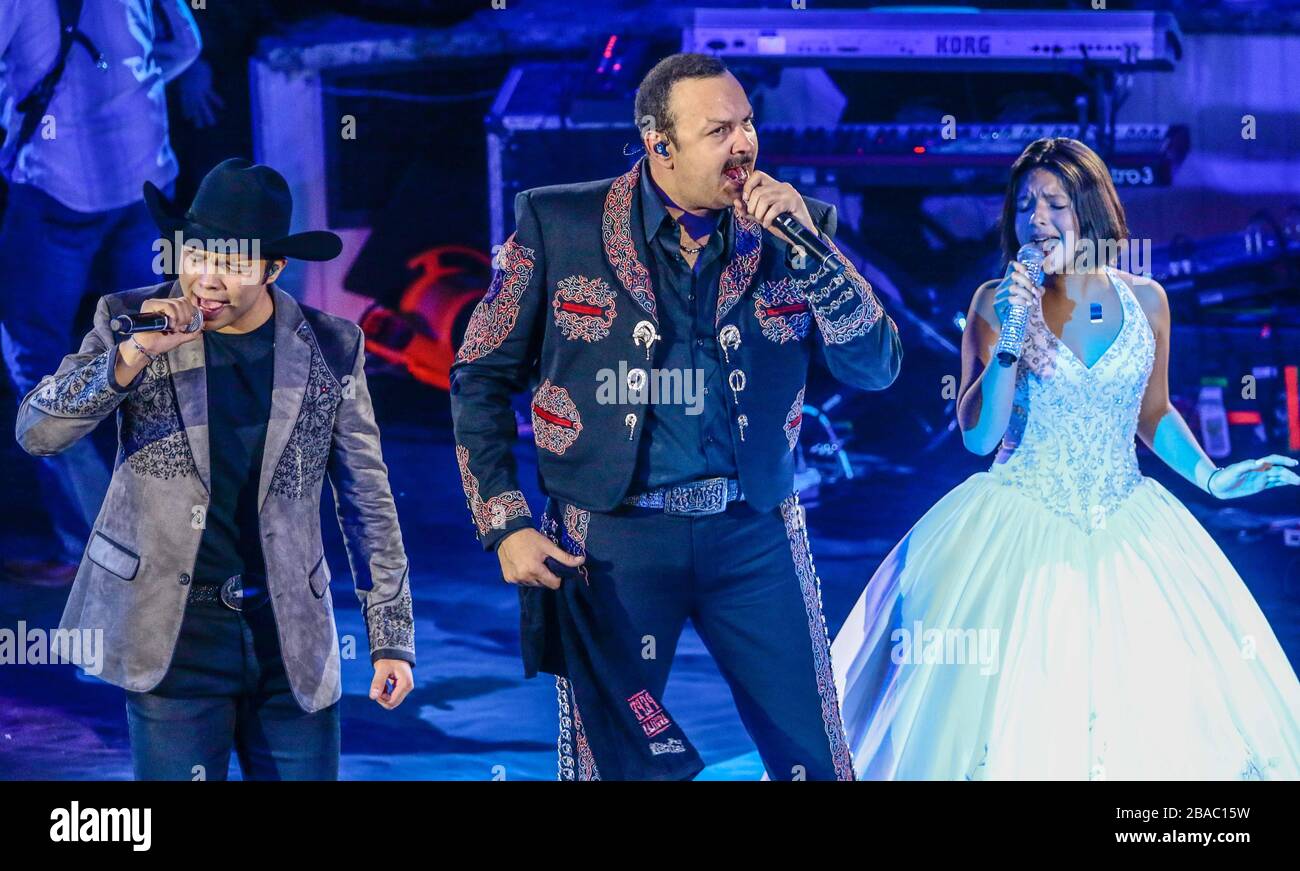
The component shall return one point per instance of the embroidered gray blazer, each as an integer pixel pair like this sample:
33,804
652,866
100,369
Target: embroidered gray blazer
134,576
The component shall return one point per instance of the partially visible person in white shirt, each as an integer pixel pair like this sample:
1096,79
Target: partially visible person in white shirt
75,223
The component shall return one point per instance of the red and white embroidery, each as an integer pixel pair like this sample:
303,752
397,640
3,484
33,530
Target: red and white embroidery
796,530
794,419
556,422
782,310
619,249
649,714
495,512
735,278
506,506
576,760
584,308
587,769
576,521
495,315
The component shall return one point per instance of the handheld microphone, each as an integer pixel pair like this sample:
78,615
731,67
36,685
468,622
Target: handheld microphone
802,236
150,322
810,241
1013,329
141,322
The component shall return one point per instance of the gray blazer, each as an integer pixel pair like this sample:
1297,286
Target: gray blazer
134,576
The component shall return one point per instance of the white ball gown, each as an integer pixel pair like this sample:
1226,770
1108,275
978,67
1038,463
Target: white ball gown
1061,616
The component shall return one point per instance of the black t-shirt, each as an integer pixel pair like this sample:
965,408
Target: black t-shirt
239,374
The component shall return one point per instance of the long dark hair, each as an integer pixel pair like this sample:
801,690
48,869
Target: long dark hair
1086,180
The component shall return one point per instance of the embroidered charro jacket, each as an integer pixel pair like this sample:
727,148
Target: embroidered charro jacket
571,297
134,577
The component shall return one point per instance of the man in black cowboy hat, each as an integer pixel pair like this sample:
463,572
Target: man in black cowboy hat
205,572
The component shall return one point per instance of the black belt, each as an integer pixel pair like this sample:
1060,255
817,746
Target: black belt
709,496
232,592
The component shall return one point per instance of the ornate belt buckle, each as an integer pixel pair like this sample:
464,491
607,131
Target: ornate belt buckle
698,497
232,593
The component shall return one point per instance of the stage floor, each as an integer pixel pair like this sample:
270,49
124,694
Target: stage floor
472,716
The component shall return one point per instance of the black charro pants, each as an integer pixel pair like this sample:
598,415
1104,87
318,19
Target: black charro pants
746,581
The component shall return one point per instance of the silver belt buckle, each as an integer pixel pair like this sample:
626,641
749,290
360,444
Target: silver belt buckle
232,593
698,497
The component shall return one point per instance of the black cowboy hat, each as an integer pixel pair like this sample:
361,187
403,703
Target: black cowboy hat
242,200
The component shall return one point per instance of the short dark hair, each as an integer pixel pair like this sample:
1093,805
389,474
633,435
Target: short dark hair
1086,180
653,93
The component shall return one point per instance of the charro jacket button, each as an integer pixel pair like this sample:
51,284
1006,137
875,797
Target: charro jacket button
184,578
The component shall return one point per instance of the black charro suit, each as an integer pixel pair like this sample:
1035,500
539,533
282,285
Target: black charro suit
571,286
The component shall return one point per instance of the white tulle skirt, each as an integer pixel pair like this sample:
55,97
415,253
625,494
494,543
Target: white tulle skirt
999,641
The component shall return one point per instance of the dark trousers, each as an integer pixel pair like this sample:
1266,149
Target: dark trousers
746,581
53,257
227,689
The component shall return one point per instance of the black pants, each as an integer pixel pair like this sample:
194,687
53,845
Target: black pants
227,689
746,581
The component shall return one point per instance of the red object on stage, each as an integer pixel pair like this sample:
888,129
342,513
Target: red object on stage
421,334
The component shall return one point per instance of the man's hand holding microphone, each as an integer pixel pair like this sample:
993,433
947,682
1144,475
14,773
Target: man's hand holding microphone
138,350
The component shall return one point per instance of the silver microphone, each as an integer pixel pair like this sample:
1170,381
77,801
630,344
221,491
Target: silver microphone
1013,328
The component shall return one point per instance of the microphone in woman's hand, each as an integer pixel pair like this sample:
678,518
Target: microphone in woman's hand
1013,326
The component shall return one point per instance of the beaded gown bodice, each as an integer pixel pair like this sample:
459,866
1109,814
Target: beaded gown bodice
1069,444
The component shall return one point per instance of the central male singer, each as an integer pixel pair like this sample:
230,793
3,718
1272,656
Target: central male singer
205,570
670,273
